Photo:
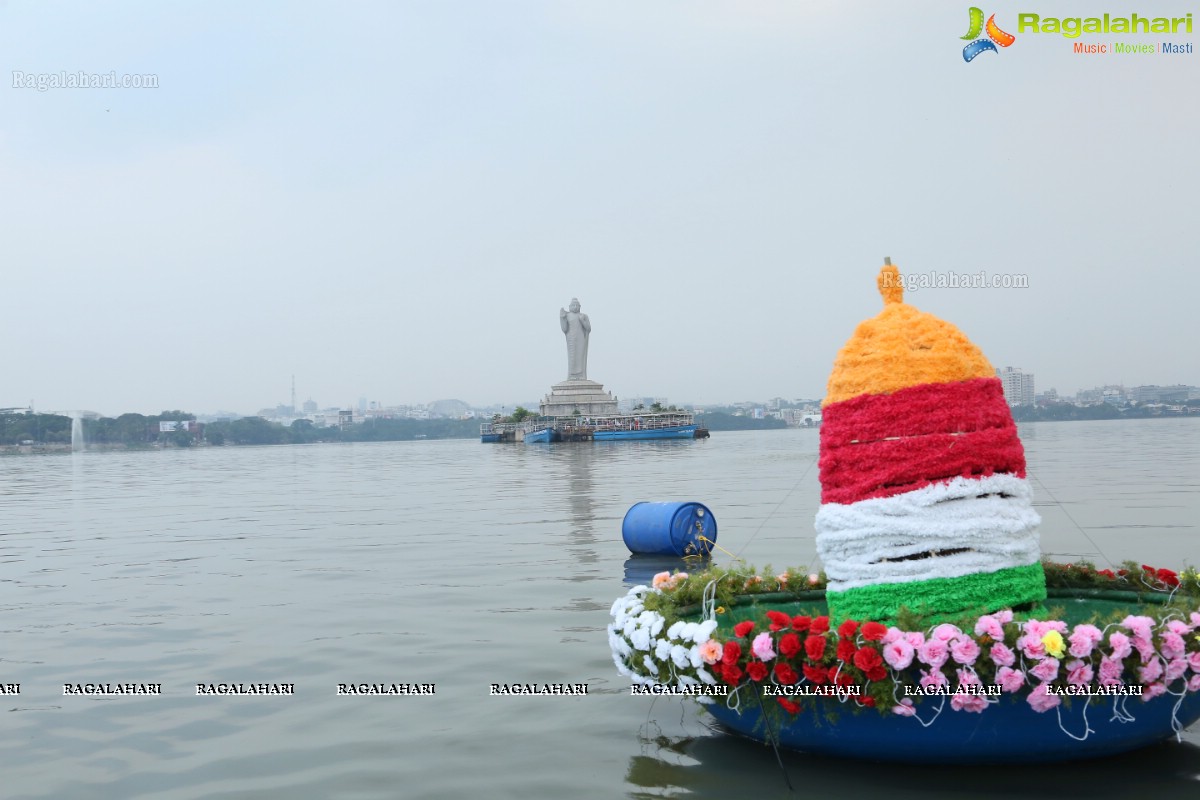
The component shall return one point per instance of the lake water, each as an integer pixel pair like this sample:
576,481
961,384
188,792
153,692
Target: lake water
462,565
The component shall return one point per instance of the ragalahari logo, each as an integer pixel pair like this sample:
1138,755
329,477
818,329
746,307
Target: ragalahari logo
994,35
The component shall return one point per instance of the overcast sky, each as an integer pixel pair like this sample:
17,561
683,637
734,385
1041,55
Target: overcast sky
395,199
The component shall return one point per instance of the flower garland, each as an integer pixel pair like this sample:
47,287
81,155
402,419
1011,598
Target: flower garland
879,665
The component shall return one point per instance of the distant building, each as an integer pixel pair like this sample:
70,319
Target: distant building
1160,394
1018,386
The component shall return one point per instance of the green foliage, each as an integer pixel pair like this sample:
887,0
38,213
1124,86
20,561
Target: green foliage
520,413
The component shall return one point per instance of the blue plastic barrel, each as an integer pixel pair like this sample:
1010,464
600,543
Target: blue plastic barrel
669,529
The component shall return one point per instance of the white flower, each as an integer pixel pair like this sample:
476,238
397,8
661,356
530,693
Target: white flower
688,631
694,655
679,655
651,667
705,676
704,631
640,639
618,645
673,631
687,680
663,650
657,627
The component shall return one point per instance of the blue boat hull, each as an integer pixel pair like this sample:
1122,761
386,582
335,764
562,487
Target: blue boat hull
1007,732
489,438
675,432
543,435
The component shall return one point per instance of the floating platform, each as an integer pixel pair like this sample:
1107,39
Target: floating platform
617,427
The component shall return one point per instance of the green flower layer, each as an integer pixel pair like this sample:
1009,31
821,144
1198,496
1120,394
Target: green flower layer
942,598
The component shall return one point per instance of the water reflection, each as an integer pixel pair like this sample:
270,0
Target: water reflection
720,765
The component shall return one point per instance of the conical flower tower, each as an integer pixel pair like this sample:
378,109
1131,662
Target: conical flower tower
924,502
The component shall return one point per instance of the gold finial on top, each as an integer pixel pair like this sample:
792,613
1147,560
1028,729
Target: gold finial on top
890,285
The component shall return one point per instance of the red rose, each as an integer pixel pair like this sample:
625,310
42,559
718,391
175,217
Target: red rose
865,700
1168,577
1108,573
1148,569
788,705
873,631
743,628
801,622
834,672
757,670
733,674
819,625
867,658
847,629
718,671
785,674
843,680
877,673
845,649
789,645
1122,572
814,646
733,651
779,620
814,674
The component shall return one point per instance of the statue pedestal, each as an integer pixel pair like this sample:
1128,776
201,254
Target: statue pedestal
586,397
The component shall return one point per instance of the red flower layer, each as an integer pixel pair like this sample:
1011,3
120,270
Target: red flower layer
884,445
888,468
973,405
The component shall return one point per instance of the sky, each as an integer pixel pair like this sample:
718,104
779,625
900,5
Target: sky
394,200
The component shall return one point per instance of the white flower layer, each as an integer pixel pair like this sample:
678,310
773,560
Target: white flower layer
641,657
992,517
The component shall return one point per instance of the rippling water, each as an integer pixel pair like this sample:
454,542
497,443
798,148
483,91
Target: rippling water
463,565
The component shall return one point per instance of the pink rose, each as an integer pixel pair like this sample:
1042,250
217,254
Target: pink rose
1173,645
915,638
1042,700
945,632
1179,626
1046,671
1152,671
968,702
893,634
1005,616
1194,683
1139,625
1153,690
762,646
905,708
1084,640
1176,668
1010,680
988,625
1079,673
711,652
1119,643
1040,628
933,677
1144,647
965,650
1031,645
1110,671
660,580
1002,655
934,652
1194,661
898,654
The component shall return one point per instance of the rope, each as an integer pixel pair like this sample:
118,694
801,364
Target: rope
778,505
1057,502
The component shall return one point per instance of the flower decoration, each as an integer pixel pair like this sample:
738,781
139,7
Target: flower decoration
1044,661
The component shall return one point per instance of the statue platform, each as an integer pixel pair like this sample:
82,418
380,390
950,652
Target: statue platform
586,397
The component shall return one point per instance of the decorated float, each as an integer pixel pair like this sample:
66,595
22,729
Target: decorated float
936,633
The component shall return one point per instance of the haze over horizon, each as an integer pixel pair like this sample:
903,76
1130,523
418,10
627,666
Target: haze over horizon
394,200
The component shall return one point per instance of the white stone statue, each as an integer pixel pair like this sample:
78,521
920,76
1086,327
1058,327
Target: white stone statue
577,327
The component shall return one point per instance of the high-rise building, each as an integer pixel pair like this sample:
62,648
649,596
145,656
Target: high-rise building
1018,386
